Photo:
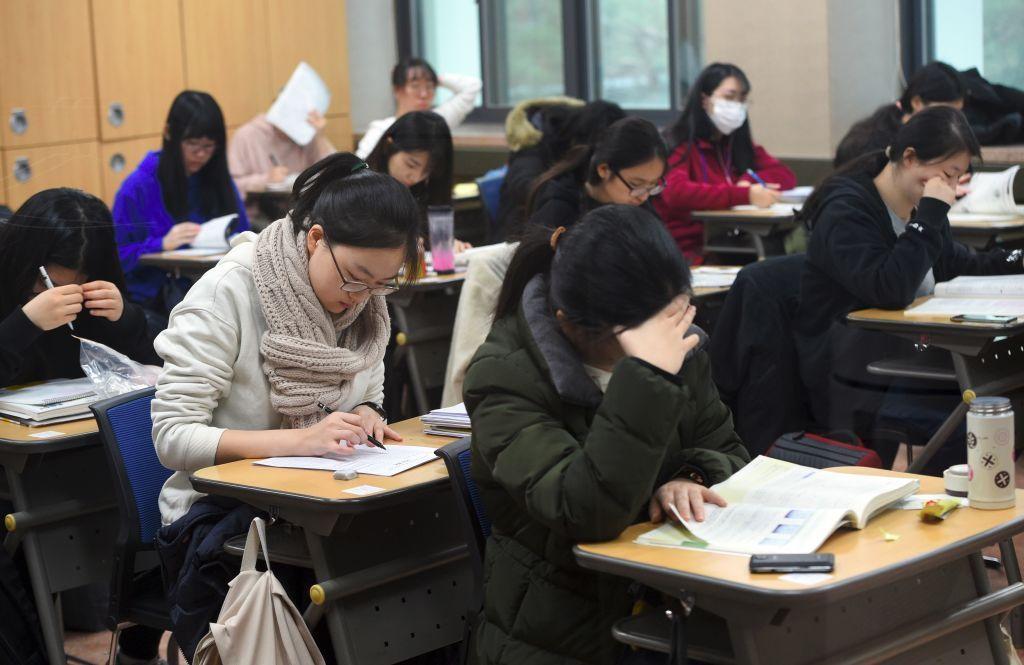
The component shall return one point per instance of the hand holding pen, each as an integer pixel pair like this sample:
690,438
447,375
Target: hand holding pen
369,434
56,306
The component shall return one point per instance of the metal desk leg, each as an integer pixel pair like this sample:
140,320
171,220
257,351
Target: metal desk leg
995,636
939,438
1012,568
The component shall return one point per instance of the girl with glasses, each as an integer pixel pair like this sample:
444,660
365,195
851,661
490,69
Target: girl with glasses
160,206
712,149
625,165
288,319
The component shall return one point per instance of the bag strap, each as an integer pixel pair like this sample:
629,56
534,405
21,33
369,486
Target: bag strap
257,533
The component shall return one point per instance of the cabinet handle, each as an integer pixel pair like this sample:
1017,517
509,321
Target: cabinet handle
115,114
19,121
117,162
22,169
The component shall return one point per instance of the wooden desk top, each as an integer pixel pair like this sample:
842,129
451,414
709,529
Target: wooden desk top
15,437
898,319
1003,154
977,223
758,214
859,553
313,487
176,259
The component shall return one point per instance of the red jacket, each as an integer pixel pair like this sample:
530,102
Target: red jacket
698,181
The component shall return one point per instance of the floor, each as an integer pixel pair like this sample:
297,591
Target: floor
92,647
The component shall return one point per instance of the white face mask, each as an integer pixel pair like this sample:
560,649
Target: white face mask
727,116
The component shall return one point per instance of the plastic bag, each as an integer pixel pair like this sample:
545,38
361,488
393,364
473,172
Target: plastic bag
114,373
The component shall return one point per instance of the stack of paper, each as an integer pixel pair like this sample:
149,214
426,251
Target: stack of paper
714,277
453,421
796,195
48,403
974,296
364,459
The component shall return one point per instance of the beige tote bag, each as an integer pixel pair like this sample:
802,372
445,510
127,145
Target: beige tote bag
257,623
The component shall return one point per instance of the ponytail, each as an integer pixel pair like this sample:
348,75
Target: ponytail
533,257
357,207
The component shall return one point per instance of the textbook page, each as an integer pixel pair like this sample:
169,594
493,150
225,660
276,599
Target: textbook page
989,193
304,92
213,235
967,306
779,209
974,285
707,277
365,459
796,195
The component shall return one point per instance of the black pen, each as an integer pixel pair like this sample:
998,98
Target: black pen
326,409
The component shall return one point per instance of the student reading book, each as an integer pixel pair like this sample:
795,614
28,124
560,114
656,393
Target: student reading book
777,507
975,296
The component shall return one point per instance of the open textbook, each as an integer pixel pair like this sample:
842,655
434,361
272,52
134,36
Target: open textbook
970,295
777,507
988,194
305,91
213,238
364,459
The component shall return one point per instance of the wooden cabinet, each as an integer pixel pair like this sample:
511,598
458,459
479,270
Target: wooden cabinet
226,54
139,65
119,158
339,131
48,93
323,44
31,170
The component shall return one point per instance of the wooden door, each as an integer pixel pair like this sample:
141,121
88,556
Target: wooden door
48,93
119,158
339,131
226,54
139,65
31,170
313,31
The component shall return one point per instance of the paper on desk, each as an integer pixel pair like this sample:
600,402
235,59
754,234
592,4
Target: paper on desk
304,92
368,460
796,195
806,579
713,276
213,235
197,251
971,306
776,208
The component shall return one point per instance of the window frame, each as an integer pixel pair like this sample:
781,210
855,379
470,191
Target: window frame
580,42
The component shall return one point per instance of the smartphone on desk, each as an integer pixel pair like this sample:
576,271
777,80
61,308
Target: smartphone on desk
997,319
792,563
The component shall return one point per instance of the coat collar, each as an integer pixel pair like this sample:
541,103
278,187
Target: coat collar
564,364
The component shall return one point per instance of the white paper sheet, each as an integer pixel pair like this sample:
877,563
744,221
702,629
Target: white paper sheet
213,234
796,195
713,276
369,460
968,306
304,92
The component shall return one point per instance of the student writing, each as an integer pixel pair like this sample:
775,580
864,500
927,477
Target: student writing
880,238
414,84
261,154
288,319
160,206
592,407
712,148
625,165
935,83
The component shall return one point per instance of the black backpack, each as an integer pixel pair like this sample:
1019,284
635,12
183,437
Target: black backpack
20,637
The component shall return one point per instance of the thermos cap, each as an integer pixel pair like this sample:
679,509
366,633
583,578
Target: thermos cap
991,405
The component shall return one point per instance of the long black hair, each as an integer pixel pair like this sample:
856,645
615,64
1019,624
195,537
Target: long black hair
195,115
61,226
626,143
420,131
568,126
934,83
935,133
641,269
357,207
694,122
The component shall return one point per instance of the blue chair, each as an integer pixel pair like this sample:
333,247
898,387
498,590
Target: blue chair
136,597
476,524
490,192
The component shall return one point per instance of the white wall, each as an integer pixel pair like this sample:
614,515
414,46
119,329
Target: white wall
373,51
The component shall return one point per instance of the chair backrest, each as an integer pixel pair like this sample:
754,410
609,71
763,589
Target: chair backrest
490,191
126,428
456,456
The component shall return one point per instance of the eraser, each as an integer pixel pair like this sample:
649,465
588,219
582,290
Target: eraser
344,474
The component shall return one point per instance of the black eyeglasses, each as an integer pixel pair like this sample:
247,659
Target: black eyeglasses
359,287
637,192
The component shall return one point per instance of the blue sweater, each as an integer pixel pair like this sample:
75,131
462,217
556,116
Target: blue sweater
141,221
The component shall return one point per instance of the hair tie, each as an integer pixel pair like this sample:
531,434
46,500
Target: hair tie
555,236
888,152
359,167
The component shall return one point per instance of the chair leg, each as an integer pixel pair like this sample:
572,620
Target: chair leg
112,656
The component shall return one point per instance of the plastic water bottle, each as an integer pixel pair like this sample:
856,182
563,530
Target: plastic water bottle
991,484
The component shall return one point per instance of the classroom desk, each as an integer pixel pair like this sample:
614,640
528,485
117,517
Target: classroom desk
64,514
766,227
182,265
987,233
921,598
392,569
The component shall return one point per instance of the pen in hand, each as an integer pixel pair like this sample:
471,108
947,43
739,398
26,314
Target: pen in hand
328,410
757,178
49,285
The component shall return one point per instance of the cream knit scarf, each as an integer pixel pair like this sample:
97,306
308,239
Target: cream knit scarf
309,355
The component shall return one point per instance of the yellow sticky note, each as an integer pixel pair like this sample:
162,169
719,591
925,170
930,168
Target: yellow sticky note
889,536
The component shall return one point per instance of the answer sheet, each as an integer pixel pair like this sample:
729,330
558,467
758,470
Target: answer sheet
366,459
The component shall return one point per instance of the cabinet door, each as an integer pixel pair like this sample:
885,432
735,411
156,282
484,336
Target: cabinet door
339,131
49,92
119,158
226,55
139,66
314,31
31,170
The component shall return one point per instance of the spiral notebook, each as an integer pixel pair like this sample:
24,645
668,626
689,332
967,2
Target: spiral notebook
47,402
